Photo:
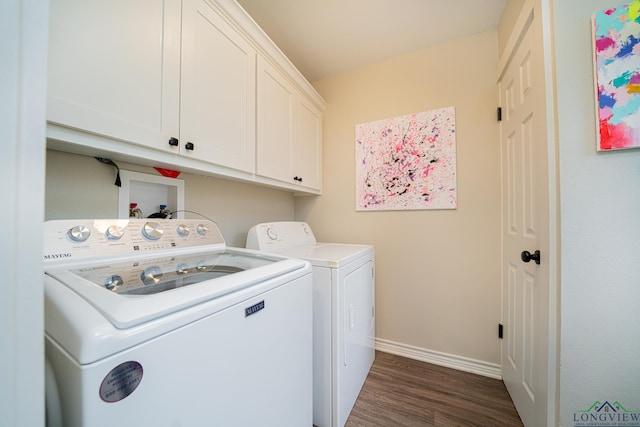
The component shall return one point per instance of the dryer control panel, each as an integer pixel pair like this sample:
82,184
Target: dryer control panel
279,235
79,239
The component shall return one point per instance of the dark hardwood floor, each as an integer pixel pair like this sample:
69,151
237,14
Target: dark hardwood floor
405,392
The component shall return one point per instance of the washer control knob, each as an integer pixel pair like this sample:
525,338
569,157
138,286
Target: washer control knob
272,233
114,232
183,230
202,229
79,233
152,230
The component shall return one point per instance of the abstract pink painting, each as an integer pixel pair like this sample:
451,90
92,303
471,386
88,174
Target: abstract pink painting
407,162
617,72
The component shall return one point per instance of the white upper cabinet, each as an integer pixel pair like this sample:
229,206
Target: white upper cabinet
191,85
218,92
289,131
276,103
308,144
114,68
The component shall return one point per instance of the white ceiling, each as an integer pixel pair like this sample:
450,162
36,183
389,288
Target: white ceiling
326,37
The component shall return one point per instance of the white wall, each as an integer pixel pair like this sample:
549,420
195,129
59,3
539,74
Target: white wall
81,187
600,233
23,51
437,278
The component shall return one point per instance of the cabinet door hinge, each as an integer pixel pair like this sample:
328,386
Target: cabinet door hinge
499,114
500,330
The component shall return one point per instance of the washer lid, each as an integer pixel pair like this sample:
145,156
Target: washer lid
129,293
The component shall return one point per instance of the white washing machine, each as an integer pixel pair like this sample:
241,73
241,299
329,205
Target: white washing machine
158,323
343,313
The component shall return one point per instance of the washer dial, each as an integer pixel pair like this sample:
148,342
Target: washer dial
152,230
183,230
114,232
79,233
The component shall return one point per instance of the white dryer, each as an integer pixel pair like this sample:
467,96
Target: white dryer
343,313
158,323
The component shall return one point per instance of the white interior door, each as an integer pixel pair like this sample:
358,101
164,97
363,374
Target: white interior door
525,227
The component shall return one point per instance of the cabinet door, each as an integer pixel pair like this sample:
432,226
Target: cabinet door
276,101
308,144
217,111
114,68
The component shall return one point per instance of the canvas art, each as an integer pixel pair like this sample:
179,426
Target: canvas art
617,74
407,162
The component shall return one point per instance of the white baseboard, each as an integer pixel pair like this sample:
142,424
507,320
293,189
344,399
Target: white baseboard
460,363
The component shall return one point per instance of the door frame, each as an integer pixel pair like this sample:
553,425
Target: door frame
544,29
24,25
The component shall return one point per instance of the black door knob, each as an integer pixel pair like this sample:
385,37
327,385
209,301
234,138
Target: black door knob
527,256
189,146
173,142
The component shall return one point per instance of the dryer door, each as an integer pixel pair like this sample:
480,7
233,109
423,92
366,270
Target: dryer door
357,341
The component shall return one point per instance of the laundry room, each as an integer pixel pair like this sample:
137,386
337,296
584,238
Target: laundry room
434,267
437,276
220,113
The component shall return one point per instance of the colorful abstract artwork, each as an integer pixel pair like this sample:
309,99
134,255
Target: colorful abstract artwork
407,162
617,73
